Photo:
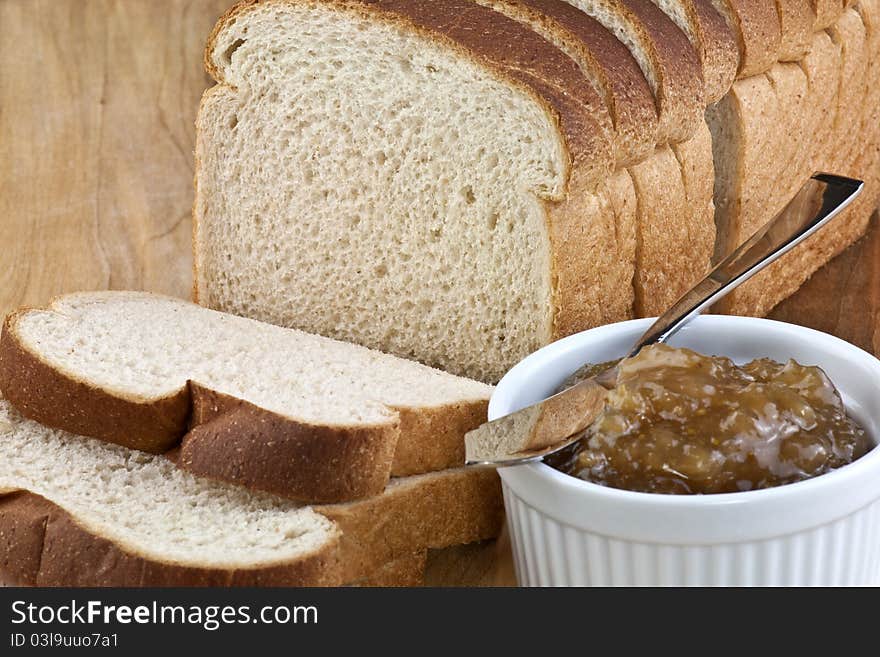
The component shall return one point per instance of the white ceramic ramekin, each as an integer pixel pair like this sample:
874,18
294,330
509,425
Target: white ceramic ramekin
824,531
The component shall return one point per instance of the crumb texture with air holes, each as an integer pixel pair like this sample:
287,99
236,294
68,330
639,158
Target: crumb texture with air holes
146,347
357,180
145,503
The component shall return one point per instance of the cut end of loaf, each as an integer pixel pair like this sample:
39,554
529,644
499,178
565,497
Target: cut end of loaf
433,188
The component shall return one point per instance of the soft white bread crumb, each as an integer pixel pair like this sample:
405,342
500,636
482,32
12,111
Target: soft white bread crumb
338,134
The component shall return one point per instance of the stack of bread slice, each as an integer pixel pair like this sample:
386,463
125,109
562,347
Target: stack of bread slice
818,110
147,441
463,181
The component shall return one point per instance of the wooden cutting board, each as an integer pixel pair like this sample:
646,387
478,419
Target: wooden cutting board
97,105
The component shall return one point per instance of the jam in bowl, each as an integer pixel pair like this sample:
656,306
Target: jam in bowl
680,422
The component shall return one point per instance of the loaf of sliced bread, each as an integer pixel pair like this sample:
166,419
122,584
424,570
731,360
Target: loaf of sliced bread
451,216
772,131
77,511
275,409
346,217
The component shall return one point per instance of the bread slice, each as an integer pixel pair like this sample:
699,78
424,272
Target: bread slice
275,409
453,217
758,31
80,512
713,39
94,511
433,510
676,227
666,57
796,21
605,60
408,570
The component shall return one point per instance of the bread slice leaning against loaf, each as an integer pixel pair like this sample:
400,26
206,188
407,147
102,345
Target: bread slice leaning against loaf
274,409
76,511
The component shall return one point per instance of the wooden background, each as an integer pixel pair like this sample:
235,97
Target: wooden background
97,105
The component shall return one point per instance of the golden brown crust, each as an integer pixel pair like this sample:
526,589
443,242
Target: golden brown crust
511,48
673,61
23,519
759,34
825,147
680,75
593,237
42,393
672,250
235,441
432,439
695,158
199,198
796,19
433,511
717,46
780,31
406,570
827,12
42,545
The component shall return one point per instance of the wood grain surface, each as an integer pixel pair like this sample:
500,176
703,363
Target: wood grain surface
97,105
